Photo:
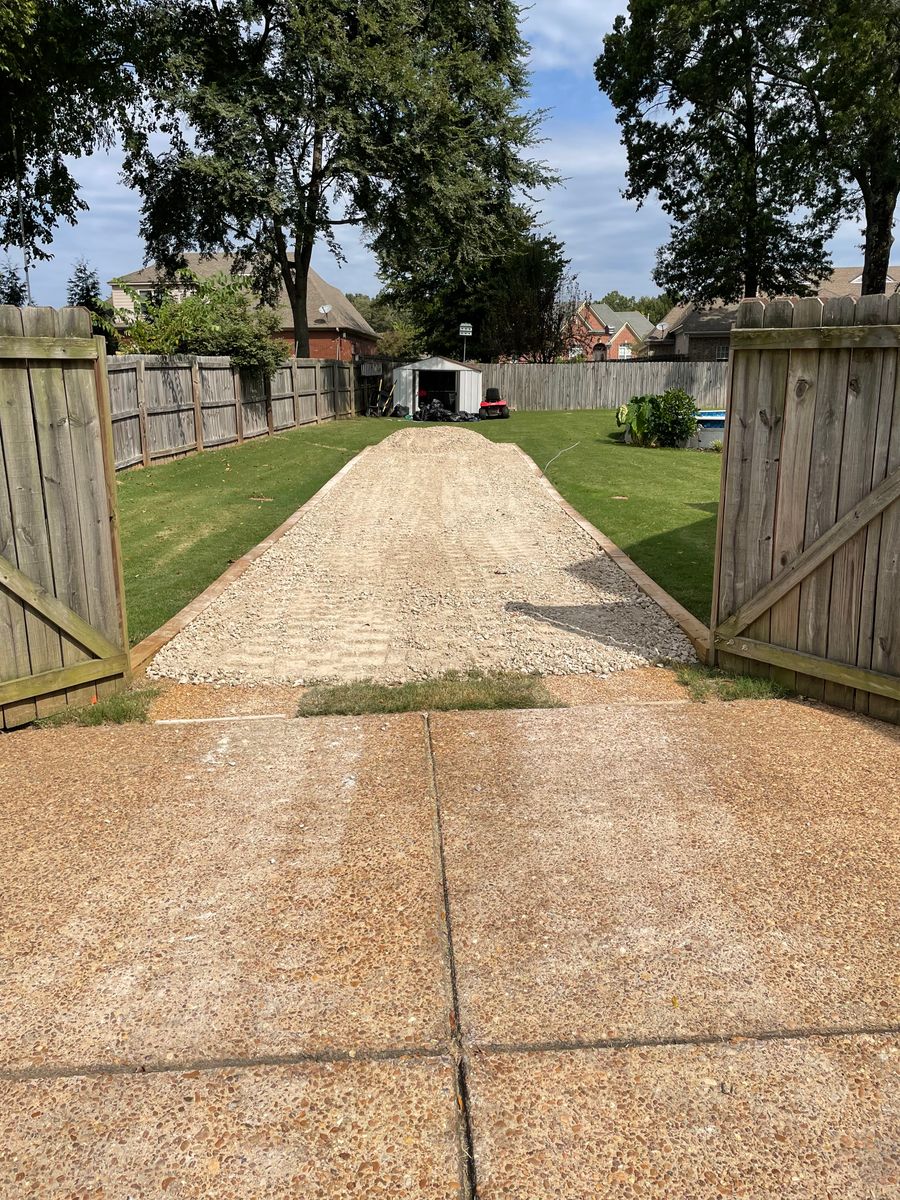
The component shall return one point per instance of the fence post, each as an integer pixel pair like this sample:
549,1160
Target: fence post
238,403
295,390
270,420
318,370
198,407
104,413
142,412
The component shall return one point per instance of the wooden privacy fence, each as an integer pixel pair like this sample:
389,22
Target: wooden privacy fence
63,636
549,387
164,407
807,585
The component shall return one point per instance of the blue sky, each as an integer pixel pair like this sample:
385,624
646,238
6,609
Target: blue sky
611,244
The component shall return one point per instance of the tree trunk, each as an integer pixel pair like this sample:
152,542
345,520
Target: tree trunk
302,259
879,237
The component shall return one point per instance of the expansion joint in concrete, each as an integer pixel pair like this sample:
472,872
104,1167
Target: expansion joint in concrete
734,1037
465,1142
176,1066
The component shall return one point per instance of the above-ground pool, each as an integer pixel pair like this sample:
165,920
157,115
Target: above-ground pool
710,428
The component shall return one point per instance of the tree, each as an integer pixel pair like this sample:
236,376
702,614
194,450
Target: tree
405,341
12,285
17,18
83,290
83,287
286,122
753,199
382,313
839,64
654,308
218,315
521,303
619,302
64,88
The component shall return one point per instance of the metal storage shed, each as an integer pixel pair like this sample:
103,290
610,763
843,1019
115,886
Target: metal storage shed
457,385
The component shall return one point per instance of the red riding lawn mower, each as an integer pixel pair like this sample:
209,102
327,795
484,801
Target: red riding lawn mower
493,405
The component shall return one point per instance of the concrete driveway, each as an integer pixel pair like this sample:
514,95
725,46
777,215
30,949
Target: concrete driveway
616,951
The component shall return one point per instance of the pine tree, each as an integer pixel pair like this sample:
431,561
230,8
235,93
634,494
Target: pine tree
83,288
12,285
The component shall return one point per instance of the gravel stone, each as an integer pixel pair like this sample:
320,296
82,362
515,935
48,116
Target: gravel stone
438,551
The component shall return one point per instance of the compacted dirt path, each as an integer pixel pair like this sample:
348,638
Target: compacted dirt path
438,551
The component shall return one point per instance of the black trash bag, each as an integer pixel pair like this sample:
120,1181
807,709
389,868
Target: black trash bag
400,410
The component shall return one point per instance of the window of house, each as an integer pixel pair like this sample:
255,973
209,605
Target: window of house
722,352
625,351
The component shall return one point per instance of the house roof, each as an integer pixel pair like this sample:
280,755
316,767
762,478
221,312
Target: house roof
720,318
438,363
615,320
685,318
847,281
319,294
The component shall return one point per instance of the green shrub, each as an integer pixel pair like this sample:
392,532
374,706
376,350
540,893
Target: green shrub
666,420
217,316
636,417
673,417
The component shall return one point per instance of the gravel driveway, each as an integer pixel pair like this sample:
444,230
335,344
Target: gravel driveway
439,550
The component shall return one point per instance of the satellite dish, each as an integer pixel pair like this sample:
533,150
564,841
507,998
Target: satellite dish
662,327
325,309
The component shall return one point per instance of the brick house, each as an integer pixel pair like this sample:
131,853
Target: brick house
600,333
339,332
703,334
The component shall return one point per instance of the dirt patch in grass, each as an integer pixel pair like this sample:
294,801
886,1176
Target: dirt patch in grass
452,691
707,683
119,709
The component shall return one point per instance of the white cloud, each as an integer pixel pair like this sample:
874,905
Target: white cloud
568,34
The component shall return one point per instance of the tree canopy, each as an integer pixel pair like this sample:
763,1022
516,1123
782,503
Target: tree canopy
838,64
64,90
12,285
83,290
219,315
759,126
286,122
520,303
654,308
706,129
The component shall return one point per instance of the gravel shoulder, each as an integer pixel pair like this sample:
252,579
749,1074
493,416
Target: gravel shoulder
438,551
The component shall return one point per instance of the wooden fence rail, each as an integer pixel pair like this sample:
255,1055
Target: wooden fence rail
63,636
807,586
165,407
554,387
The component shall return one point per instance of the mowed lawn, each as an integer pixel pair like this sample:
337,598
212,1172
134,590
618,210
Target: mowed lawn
659,506
183,522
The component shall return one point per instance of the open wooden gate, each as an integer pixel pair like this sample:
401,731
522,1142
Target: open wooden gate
807,584
63,637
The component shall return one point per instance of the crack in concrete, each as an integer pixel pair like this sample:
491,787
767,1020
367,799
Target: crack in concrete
468,1184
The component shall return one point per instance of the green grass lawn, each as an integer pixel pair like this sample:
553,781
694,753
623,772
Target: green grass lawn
184,522
659,506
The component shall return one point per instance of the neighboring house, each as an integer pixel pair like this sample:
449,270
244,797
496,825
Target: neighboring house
340,332
703,334
698,334
600,333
